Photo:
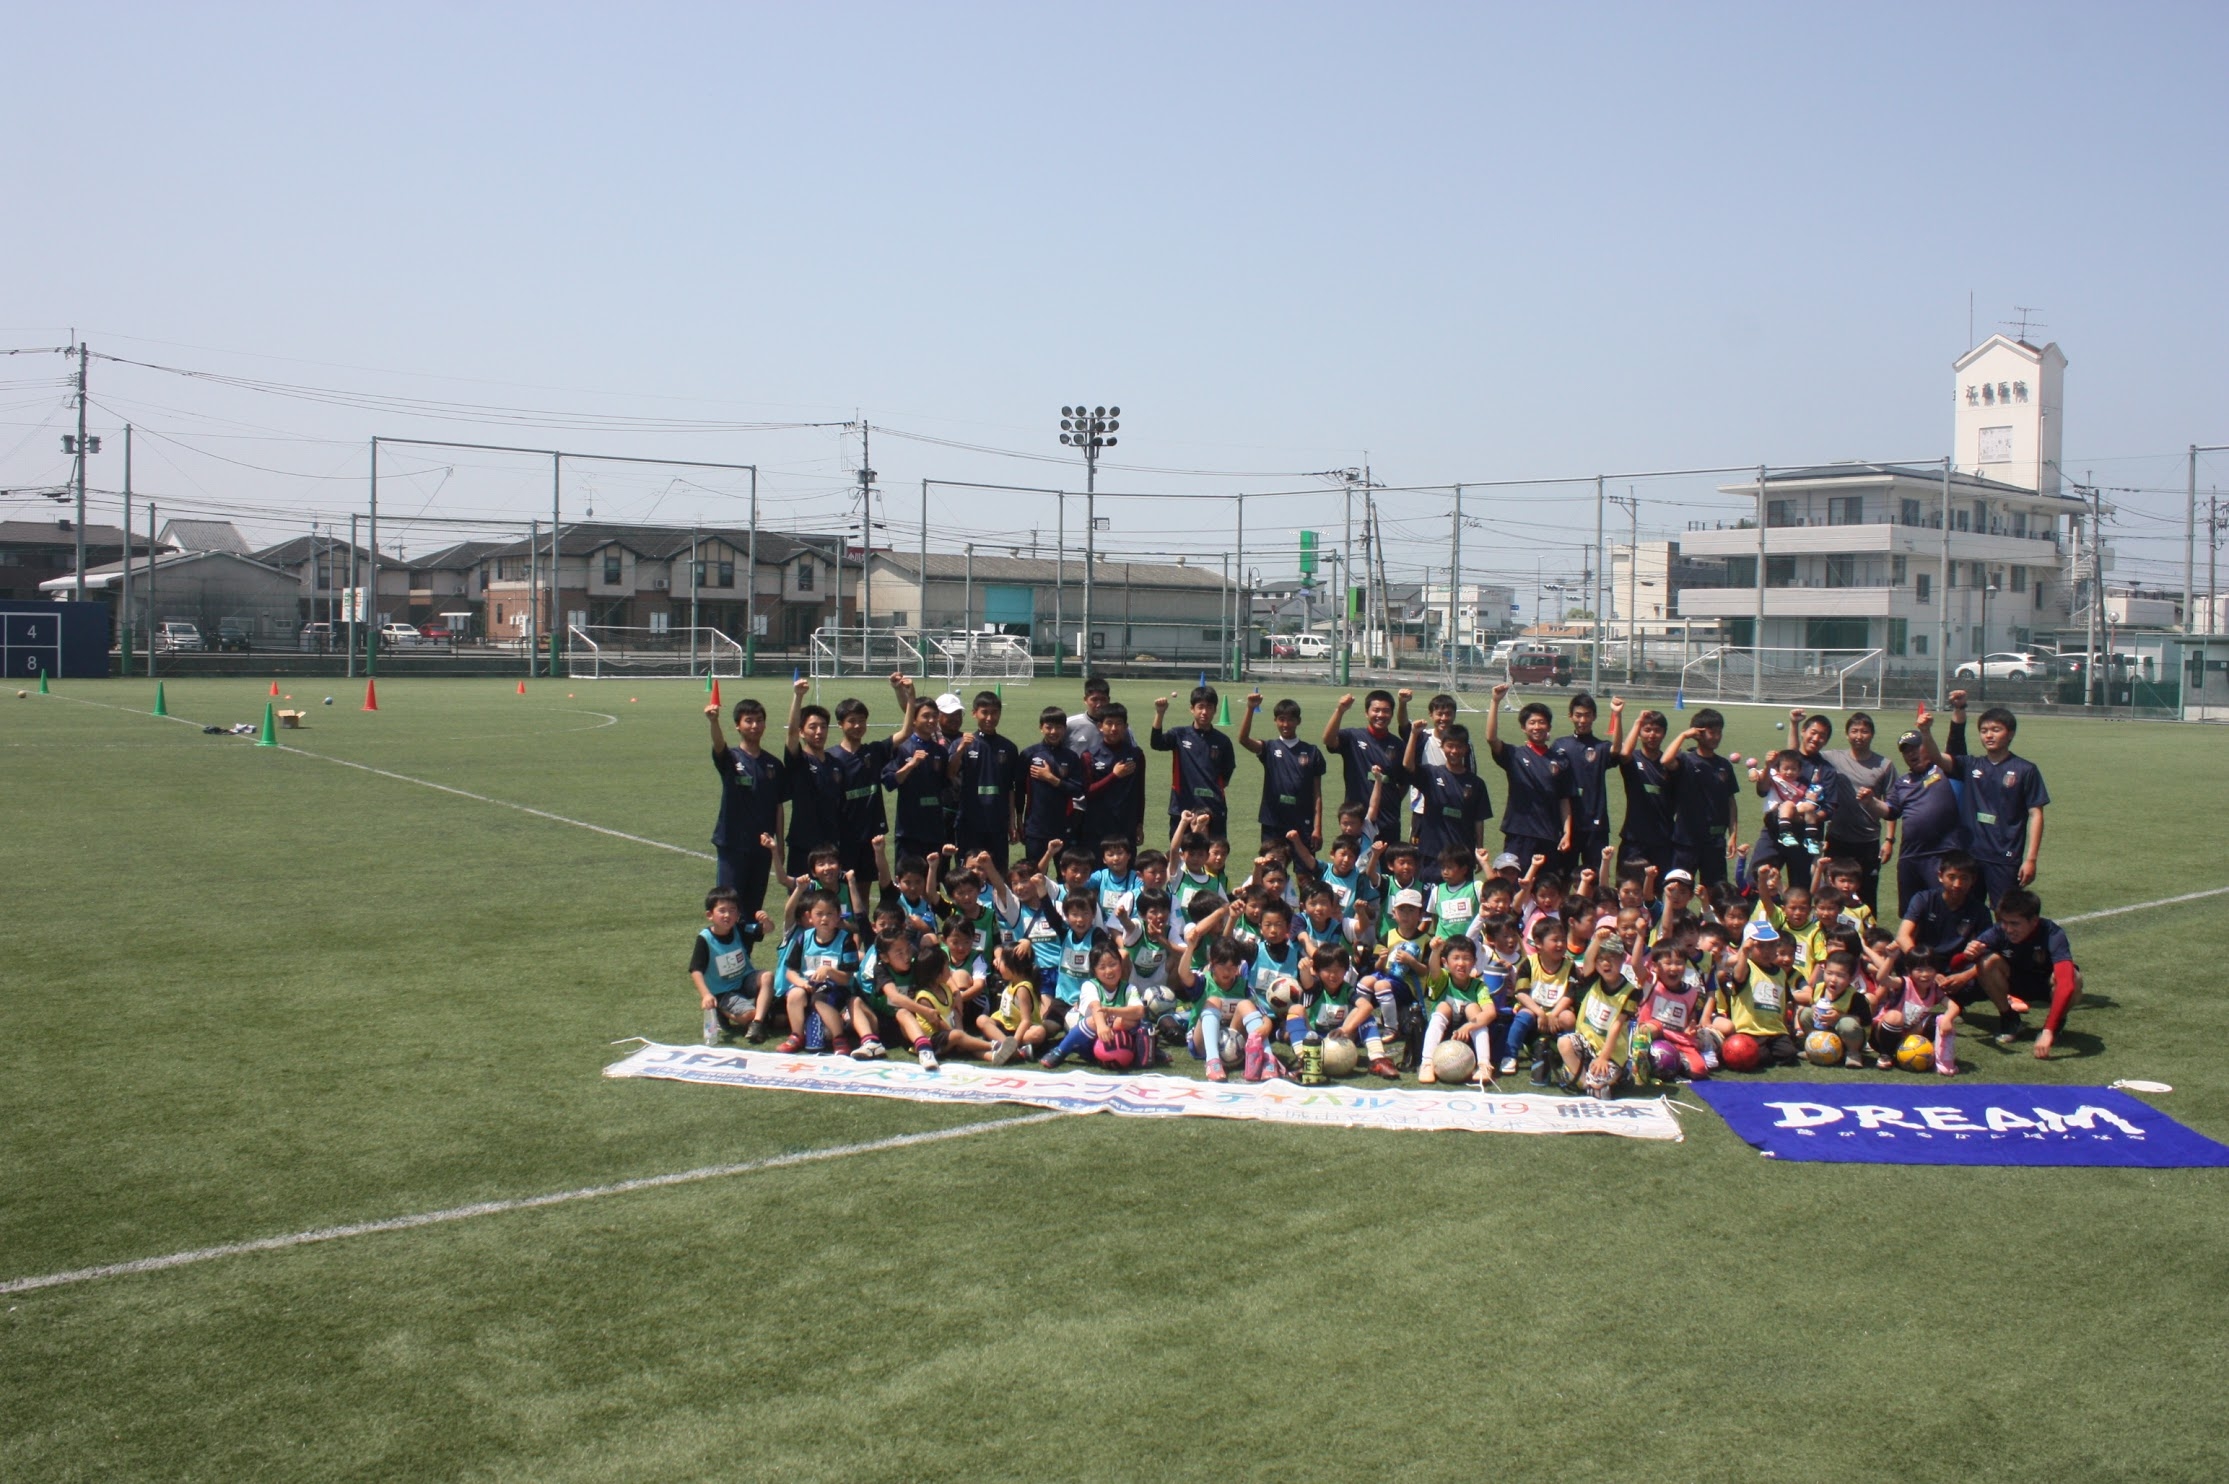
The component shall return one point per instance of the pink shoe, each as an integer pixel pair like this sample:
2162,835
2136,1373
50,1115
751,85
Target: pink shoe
1257,1052
1215,1072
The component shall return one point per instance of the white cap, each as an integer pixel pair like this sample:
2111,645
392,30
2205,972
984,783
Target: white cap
1679,873
1408,898
1507,862
950,704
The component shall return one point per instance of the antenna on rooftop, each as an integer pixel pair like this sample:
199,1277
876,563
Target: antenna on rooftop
2025,323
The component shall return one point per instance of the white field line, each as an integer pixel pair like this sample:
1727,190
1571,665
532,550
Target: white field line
462,793
2188,896
521,1203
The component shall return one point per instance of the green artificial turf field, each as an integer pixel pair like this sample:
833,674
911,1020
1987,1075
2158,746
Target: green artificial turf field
252,992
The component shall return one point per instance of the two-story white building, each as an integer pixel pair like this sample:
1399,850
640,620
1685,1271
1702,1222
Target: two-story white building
1855,556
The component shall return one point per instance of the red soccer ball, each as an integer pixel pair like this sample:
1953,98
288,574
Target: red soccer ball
1742,1053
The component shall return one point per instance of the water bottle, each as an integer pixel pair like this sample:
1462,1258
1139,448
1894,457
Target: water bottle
816,1034
1311,1060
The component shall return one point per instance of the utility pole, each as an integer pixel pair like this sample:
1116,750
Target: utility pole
1242,602
866,555
81,448
922,618
2089,604
2190,511
1757,639
750,587
347,621
1942,597
1342,667
1454,594
1594,600
1632,508
126,667
2213,548
152,627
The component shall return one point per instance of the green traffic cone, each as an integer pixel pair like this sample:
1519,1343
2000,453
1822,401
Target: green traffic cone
42,683
708,682
1223,716
270,737
1002,690
160,708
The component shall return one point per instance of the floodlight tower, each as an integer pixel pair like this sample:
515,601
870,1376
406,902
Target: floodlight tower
1090,429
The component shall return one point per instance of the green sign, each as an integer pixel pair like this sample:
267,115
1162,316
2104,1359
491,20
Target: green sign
1307,553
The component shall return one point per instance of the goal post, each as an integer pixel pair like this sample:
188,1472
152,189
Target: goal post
609,652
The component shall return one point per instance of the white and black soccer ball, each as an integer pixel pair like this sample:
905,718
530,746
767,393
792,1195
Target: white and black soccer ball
1159,1000
1339,1056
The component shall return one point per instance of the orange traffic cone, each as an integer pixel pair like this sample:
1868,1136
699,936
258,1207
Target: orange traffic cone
715,694
274,687
371,695
522,687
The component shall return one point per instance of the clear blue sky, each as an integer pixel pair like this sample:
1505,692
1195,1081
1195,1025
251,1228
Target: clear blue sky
1470,242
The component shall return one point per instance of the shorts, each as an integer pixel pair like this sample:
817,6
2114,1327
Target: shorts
1997,878
1525,847
737,1006
973,842
1641,854
1708,867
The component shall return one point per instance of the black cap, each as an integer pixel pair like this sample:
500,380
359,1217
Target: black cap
1910,741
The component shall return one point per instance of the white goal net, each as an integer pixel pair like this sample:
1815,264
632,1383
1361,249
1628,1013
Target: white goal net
607,652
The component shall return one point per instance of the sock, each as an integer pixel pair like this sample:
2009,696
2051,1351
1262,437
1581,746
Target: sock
1375,1045
1296,1030
1254,1021
1482,1043
1520,1031
1076,1042
1434,1030
1211,1034
921,1043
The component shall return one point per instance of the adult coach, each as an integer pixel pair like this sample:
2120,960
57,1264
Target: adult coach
1376,745
1706,800
1536,801
2002,798
1853,831
750,823
1921,810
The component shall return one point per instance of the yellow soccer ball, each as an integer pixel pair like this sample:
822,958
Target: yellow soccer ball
1916,1054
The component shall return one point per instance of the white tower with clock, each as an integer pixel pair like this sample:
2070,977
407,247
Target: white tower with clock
2008,400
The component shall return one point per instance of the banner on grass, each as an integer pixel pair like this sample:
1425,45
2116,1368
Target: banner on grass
1155,1096
1962,1124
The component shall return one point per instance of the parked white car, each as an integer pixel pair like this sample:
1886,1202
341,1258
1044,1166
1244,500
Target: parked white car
2021,664
399,636
178,635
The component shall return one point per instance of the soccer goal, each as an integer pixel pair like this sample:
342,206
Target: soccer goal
834,653
609,652
978,659
1781,676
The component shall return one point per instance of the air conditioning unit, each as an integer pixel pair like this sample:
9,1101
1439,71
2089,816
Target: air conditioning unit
660,585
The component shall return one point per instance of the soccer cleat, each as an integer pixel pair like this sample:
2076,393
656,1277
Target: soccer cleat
1051,1060
1383,1067
711,1027
1883,1063
1215,1072
844,1046
791,1044
1002,1050
2009,1029
756,1035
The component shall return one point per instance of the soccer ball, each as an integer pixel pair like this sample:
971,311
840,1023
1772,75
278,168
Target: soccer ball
328,700
1822,1048
1339,1056
1742,1053
1158,1001
1454,1062
1916,1054
1282,993
22,694
1117,1054
1234,1048
1664,1056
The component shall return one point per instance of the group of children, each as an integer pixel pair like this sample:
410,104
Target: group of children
1593,970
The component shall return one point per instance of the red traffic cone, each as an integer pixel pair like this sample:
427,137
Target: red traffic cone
715,694
371,695
522,687
274,687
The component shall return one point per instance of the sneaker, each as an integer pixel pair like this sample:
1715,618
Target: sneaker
791,1045
1884,1063
756,1034
869,1050
1509,1066
711,1027
2010,1028
1051,1061
1002,1050
1215,1072
1383,1067
926,1059
2019,1005
844,1046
